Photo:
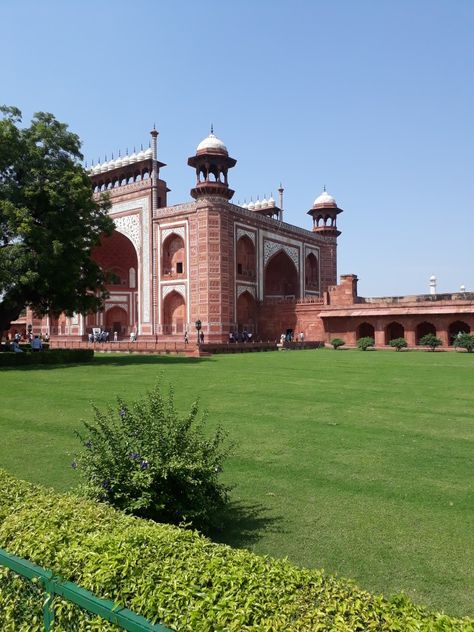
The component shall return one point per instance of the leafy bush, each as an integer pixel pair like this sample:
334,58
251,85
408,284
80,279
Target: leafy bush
366,342
464,341
180,578
53,356
398,343
147,461
337,342
431,341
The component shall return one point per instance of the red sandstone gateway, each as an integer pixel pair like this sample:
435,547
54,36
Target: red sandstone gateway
236,268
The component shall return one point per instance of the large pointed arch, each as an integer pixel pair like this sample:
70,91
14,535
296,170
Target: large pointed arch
117,256
281,276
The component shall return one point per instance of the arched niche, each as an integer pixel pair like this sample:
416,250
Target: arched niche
246,312
424,328
246,258
365,330
116,320
174,313
173,260
281,276
311,272
457,327
392,331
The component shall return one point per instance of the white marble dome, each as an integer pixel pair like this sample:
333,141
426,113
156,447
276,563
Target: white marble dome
325,198
149,153
212,143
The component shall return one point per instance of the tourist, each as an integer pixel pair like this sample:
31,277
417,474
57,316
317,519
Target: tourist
201,337
115,336
36,344
133,336
186,339
16,347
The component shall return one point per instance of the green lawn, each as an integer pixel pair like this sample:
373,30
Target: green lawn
359,463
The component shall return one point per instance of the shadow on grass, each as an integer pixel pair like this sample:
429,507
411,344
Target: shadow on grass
113,360
244,524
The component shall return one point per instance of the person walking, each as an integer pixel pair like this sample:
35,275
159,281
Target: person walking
186,339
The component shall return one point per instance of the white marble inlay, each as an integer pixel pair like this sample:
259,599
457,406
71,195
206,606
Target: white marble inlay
176,287
143,249
245,288
271,247
122,305
241,232
179,230
130,227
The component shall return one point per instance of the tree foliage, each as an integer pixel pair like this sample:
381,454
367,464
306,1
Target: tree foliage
148,461
465,341
364,343
337,342
431,341
398,343
49,222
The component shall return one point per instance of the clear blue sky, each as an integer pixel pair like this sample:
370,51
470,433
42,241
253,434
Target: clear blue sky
374,99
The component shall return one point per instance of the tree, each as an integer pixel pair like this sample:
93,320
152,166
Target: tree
148,461
431,341
337,342
398,343
465,341
365,342
49,221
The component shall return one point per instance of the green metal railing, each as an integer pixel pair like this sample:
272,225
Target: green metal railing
53,585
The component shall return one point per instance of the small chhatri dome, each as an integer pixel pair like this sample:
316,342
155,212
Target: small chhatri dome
211,143
325,198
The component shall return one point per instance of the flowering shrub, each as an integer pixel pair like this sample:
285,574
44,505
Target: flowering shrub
148,461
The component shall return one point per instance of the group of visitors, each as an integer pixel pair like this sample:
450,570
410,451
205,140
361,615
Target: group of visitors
290,336
241,336
36,344
99,336
102,335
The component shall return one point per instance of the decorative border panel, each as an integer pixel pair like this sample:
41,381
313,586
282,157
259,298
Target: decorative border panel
122,305
241,232
130,227
271,247
179,230
178,287
246,288
143,205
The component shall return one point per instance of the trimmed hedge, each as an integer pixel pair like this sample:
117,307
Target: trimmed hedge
180,578
53,356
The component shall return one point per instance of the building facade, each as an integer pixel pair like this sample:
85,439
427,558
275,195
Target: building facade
207,259
233,267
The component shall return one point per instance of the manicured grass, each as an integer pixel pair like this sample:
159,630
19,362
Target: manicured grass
360,463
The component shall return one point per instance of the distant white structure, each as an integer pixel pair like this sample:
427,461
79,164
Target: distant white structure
462,288
432,284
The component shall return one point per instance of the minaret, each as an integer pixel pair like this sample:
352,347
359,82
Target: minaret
212,162
280,191
154,171
324,213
